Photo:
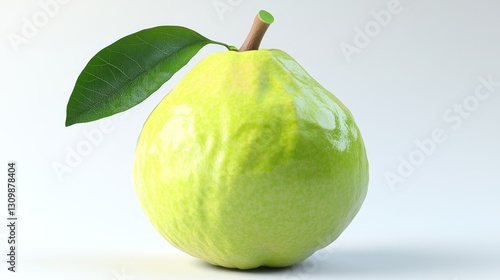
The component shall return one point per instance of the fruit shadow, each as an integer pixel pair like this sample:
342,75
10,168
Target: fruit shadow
363,262
259,270
375,262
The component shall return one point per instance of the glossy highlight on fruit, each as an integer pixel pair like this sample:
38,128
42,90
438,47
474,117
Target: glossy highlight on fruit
250,162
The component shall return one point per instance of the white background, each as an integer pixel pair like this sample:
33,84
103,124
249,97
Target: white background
440,223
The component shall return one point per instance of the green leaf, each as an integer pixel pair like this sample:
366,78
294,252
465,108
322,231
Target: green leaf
128,71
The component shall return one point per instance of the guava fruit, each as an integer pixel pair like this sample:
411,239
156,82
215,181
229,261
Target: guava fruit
247,162
250,162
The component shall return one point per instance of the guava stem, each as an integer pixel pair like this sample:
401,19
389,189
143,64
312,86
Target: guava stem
259,28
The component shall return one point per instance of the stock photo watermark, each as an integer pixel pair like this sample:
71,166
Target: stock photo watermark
92,138
372,29
31,26
122,275
12,222
222,7
454,117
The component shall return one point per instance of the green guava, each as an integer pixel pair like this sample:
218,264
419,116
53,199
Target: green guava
250,162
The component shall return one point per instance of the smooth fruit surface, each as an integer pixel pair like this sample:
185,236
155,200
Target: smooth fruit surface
250,162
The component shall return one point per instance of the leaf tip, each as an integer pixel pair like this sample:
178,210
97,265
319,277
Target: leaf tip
68,122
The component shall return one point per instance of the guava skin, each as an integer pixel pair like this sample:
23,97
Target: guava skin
250,162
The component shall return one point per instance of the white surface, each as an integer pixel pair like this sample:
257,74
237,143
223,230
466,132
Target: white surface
441,223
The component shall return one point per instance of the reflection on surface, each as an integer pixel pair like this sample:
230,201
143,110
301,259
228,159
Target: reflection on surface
342,263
